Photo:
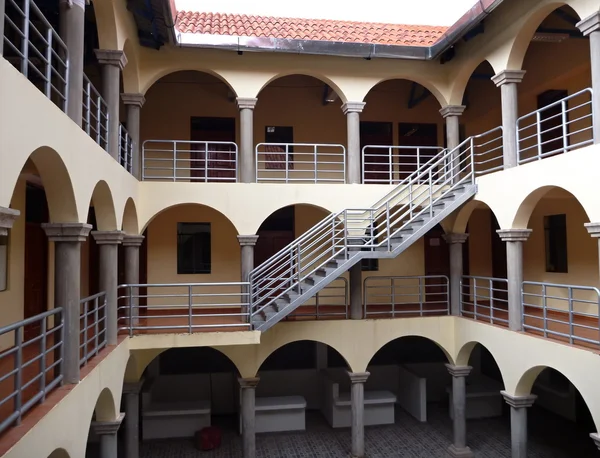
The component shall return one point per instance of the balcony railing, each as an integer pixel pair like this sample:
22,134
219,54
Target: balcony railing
300,163
424,295
562,126
125,149
331,302
392,164
484,299
35,49
94,114
195,161
92,327
32,367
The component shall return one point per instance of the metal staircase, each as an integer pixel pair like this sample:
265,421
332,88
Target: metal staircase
311,262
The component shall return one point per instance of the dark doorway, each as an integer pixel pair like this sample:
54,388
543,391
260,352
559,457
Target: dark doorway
275,232
415,134
551,121
499,267
214,162
437,262
376,162
93,257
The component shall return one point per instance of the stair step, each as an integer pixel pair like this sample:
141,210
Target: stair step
333,264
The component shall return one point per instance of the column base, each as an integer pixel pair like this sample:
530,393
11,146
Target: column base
464,452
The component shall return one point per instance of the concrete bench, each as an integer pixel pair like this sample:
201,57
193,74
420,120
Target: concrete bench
281,413
161,420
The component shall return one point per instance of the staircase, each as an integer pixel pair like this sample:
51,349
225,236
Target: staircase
307,265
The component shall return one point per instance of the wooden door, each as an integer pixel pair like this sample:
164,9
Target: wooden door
214,162
415,134
551,121
437,262
376,162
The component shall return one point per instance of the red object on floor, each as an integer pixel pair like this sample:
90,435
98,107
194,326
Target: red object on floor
208,438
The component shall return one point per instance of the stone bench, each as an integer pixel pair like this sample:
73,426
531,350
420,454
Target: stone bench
378,405
281,413
161,420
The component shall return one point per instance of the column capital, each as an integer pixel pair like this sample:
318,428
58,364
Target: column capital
589,24
133,99
133,240
596,438
133,387
455,238
518,402
452,110
102,428
7,219
107,237
358,377
592,228
246,102
353,107
508,76
111,57
249,382
247,240
67,232
458,371
514,235
72,3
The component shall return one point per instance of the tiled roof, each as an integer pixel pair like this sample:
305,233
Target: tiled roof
307,29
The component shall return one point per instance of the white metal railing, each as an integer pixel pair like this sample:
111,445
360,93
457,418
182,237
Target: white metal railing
564,312
94,114
484,299
331,302
488,151
423,295
392,164
36,49
300,163
562,126
92,327
125,149
183,160
183,307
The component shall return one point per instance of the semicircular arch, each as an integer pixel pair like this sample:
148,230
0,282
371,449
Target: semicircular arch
104,207
130,218
435,89
164,210
319,76
151,77
431,339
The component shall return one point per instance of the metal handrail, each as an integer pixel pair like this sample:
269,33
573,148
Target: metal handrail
92,328
125,149
570,128
332,301
390,161
178,307
31,372
185,160
566,312
421,295
300,163
484,299
36,49
94,114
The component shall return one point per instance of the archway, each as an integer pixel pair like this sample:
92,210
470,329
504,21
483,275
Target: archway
104,411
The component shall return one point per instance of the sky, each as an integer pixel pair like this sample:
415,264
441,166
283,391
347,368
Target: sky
425,12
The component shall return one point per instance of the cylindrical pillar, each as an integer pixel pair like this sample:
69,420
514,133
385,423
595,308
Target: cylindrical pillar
451,114
590,27
518,422
455,246
356,293
112,62
107,430
72,25
248,397
109,266
514,239
131,245
247,243
352,111
357,400
247,165
134,103
131,393
459,410
507,80
67,238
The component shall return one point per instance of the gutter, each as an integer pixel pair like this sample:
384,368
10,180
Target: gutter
468,21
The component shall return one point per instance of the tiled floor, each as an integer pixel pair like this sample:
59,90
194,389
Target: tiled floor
550,437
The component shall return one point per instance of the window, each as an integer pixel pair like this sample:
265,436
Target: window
193,248
555,232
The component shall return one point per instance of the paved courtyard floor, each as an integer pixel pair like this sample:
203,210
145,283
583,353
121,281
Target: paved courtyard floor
550,437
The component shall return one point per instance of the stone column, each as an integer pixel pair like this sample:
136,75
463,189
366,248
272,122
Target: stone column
112,62
459,407
518,422
455,246
107,430
7,219
72,25
451,114
514,239
247,243
590,27
109,267
596,438
131,245
131,393
352,110
356,293
248,396
246,157
507,80
134,103
357,394
67,238
594,230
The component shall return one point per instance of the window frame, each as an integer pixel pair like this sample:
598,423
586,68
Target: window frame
195,270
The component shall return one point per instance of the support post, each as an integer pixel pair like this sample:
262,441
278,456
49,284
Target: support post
112,62
518,422
247,243
357,399
67,238
131,393
247,165
459,407
107,430
131,245
590,27
594,230
514,239
455,246
507,81
356,305
134,104
451,114
352,110
248,398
